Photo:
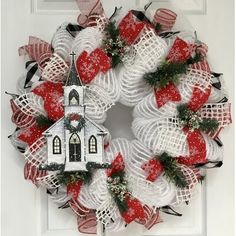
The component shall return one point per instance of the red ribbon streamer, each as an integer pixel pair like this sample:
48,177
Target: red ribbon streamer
134,211
130,28
117,165
31,134
151,218
166,94
197,148
89,65
52,94
73,189
154,169
31,172
180,51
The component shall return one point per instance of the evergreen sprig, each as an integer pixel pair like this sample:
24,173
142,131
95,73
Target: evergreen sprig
113,45
169,72
209,125
193,121
172,170
158,27
117,186
43,121
52,167
66,178
166,73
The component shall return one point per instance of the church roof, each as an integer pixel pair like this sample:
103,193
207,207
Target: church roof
60,123
73,77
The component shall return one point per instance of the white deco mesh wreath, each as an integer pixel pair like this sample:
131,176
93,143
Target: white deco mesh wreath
180,107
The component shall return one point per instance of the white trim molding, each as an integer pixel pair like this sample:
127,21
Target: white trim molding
62,7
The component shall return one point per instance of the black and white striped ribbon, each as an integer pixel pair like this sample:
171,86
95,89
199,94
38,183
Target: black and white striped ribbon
33,74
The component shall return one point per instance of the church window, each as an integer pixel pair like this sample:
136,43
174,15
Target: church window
56,144
73,97
92,144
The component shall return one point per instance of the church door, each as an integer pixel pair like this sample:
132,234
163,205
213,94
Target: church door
74,148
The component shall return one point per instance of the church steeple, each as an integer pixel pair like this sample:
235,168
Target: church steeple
73,77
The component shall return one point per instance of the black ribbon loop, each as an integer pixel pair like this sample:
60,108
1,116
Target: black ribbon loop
209,164
216,80
170,211
73,29
141,16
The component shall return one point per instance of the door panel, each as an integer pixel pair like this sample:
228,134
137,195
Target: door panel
27,211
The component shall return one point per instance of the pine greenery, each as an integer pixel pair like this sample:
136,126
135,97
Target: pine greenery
43,121
172,170
112,43
169,72
209,125
117,186
193,121
66,178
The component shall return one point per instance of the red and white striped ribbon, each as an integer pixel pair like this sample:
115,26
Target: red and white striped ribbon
37,50
165,17
90,10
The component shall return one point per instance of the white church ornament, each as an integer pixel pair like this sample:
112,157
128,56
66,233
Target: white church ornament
75,139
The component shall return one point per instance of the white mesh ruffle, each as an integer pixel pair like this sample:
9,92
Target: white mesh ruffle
109,83
159,136
150,51
56,69
36,154
87,40
30,104
97,196
50,180
183,195
219,111
60,196
62,42
104,90
158,193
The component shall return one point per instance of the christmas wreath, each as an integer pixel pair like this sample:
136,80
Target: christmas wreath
141,60
79,122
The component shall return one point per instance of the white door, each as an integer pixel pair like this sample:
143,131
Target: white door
26,210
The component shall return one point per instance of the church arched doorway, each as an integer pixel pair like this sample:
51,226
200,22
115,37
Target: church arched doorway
74,148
